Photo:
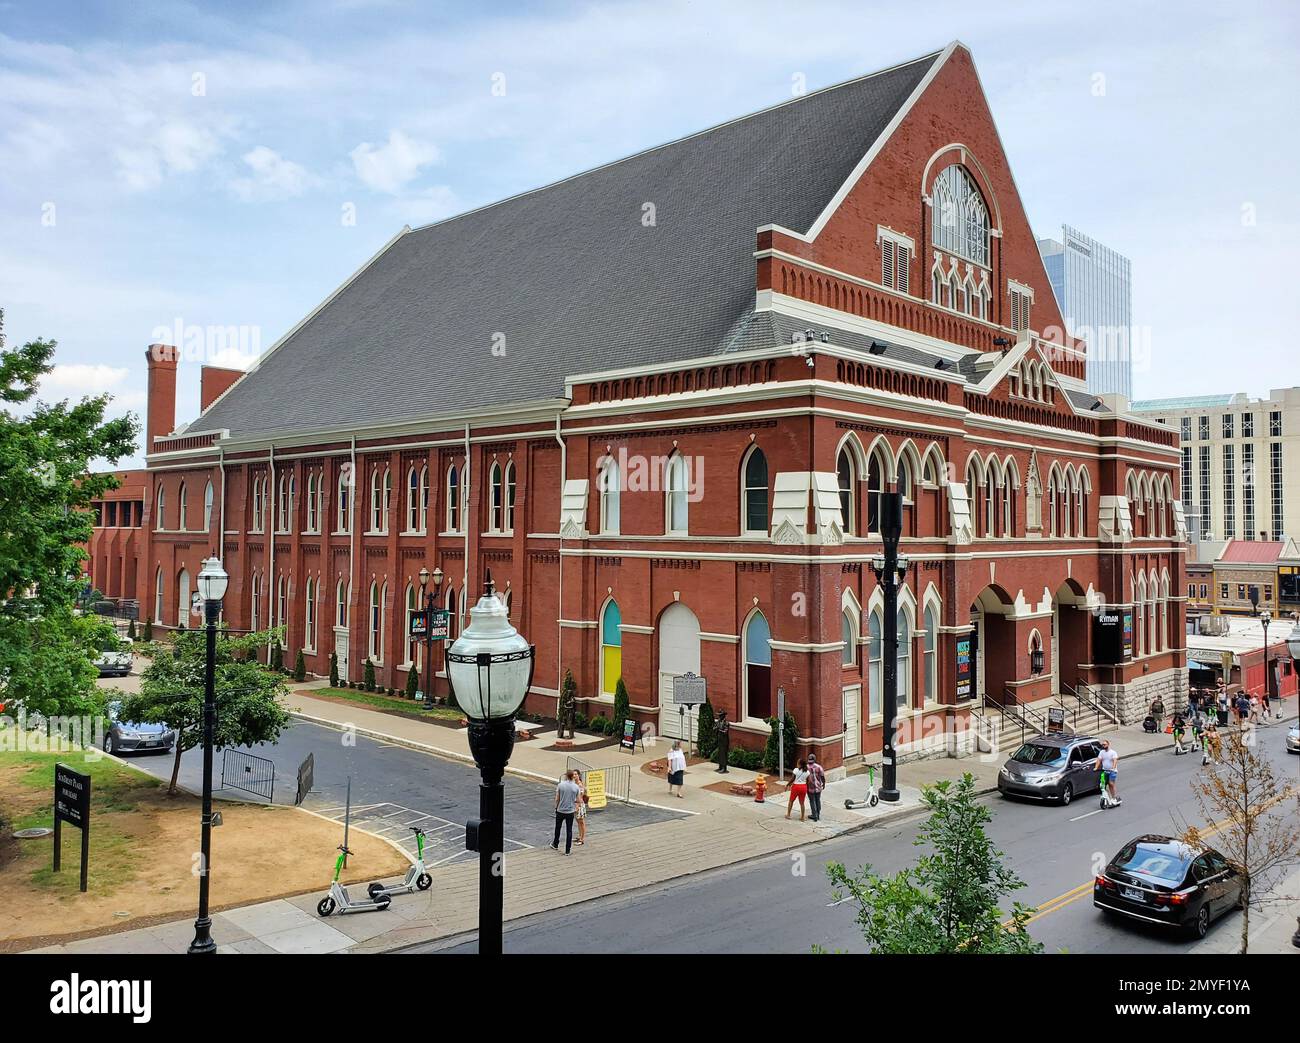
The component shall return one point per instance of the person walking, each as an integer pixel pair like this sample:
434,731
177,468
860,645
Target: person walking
1254,709
1213,745
1265,700
1243,709
816,783
1221,708
676,769
580,807
1158,712
566,798
799,790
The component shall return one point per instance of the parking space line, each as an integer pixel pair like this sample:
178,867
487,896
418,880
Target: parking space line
1078,818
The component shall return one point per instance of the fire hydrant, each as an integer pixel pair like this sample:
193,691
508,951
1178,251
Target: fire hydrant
760,788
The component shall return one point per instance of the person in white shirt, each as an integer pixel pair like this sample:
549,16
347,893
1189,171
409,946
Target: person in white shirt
676,768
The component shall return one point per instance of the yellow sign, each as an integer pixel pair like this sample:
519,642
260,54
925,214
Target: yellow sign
596,789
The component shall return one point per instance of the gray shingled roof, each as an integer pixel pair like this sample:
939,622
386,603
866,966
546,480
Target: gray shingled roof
568,273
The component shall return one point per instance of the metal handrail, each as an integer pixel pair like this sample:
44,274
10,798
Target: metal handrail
1082,695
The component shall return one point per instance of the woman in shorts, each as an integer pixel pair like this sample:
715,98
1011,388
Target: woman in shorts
799,790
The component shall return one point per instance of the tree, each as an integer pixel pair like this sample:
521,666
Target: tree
370,675
566,711
770,760
46,492
247,697
334,669
949,901
622,705
300,667
130,630
148,629
1257,834
412,684
276,662
707,734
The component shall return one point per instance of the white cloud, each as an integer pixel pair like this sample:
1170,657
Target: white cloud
76,380
176,147
272,176
387,168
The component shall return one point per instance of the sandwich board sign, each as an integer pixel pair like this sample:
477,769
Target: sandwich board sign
597,798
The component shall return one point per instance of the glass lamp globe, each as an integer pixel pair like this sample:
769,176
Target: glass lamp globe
490,666
212,580
1293,640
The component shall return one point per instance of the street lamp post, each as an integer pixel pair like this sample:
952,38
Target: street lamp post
489,671
890,569
1293,646
429,600
1266,617
212,588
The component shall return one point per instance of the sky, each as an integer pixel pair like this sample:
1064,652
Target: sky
209,173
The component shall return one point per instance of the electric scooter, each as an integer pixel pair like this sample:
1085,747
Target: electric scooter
1107,801
872,798
339,899
417,877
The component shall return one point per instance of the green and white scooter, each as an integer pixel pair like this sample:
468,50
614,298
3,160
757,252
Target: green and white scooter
417,877
339,899
872,798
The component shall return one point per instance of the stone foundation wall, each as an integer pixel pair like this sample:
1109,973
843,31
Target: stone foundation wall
1132,701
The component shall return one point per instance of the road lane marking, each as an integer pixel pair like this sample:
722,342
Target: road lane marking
1078,818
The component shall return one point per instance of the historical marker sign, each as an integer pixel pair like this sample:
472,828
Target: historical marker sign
689,689
72,805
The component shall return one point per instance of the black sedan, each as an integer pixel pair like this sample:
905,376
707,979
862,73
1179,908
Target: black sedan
1162,880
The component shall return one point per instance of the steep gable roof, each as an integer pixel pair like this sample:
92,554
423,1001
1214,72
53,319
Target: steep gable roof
567,278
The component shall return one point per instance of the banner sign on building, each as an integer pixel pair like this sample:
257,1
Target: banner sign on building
1108,636
965,668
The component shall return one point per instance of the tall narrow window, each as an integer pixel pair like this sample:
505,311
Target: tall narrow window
875,656
344,518
182,597
375,645
931,655
848,634
758,667
497,492
676,486
207,507
255,606
259,504
875,486
845,473
453,499
904,660
611,648
183,507
509,519
313,504
608,481
342,595
755,491
411,647
412,500
281,603
424,499
158,595
309,616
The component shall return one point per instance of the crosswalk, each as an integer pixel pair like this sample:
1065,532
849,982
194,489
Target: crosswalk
444,840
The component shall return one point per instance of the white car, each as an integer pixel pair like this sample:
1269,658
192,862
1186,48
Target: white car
1293,739
115,659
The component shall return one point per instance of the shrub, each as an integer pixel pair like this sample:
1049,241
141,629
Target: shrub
334,669
707,735
739,757
370,676
277,657
791,738
148,629
300,667
412,684
598,724
580,721
622,704
130,630
613,727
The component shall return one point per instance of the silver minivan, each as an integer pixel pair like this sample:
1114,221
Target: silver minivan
1052,767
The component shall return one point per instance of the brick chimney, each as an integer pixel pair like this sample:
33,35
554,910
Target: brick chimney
214,382
160,414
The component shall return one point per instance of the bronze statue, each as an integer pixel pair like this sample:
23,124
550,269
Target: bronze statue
723,729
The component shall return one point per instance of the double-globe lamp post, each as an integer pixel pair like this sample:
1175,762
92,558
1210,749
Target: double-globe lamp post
212,588
890,569
430,599
489,671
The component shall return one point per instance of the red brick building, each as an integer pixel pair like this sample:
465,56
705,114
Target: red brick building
659,401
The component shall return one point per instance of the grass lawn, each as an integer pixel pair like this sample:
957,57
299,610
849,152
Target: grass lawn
144,849
389,703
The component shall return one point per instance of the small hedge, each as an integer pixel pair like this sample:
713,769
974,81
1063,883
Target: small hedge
370,676
738,757
334,670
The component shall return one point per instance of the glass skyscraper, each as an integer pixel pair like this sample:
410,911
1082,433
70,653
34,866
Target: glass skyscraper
1094,289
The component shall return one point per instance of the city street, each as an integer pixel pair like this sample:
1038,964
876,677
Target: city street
778,905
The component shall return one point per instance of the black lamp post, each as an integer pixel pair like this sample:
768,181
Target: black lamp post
489,671
212,588
1266,617
429,600
890,568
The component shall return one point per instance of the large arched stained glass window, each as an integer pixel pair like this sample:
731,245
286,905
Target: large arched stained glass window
961,220
611,648
755,491
758,667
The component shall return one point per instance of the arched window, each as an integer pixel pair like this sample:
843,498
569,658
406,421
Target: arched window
344,507
453,499
453,615
849,635
960,218
375,645
412,650
259,505
309,616
931,666
182,597
875,656
1139,615
313,502
904,659
676,483
1010,480
158,595
1051,504
509,520
754,492
990,498
381,494
608,482
496,506
757,640
182,503
611,647
255,606
342,596
424,499
287,490
207,507
876,471
1164,612
845,476
412,501
281,603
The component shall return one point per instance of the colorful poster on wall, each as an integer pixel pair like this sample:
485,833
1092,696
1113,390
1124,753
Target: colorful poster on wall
1128,634
965,668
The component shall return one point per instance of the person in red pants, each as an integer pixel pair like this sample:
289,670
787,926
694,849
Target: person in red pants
799,790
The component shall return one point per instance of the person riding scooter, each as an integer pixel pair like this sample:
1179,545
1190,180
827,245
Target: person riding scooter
1108,764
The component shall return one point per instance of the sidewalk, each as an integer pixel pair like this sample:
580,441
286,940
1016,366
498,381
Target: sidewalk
1271,926
720,829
